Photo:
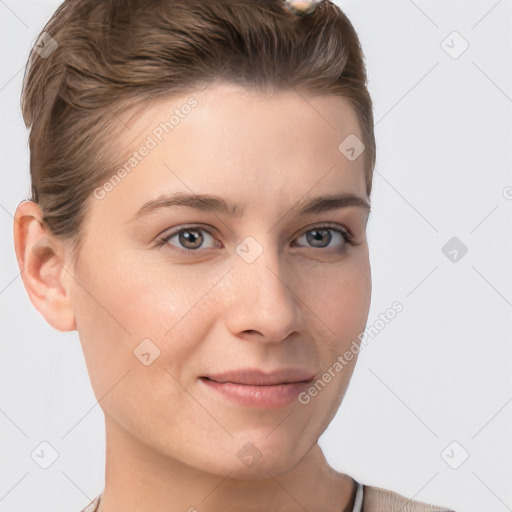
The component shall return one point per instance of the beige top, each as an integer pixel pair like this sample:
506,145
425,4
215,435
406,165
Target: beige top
367,499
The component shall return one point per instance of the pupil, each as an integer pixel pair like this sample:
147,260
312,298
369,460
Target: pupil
317,235
188,235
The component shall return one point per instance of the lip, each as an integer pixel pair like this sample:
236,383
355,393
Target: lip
256,377
254,388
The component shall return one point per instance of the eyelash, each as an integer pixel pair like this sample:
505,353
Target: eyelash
346,235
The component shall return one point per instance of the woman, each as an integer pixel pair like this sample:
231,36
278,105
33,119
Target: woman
201,175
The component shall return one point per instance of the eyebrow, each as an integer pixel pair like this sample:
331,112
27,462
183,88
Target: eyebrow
217,204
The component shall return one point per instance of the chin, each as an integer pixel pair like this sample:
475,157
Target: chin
264,468
254,461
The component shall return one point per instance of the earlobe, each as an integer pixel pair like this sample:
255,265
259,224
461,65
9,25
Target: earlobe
42,262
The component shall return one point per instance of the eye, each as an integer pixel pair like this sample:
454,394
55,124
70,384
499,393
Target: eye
321,236
189,238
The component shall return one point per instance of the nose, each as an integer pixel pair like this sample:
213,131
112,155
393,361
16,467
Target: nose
263,301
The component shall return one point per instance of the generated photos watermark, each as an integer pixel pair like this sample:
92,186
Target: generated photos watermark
342,360
152,141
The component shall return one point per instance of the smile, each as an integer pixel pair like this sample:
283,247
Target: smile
267,396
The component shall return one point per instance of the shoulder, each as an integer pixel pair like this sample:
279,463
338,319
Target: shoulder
93,506
376,499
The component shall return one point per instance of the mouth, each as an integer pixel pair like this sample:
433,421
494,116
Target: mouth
255,384
256,377
254,388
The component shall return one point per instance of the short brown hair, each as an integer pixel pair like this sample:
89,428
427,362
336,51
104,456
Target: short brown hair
114,55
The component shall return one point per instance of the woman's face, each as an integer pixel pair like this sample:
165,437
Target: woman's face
258,285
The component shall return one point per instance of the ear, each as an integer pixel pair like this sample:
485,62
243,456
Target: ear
44,268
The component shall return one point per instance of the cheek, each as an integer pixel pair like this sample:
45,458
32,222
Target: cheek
340,297
126,308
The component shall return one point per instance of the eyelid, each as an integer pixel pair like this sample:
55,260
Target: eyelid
164,239
325,226
346,235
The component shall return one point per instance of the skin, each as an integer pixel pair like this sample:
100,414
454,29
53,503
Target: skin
171,444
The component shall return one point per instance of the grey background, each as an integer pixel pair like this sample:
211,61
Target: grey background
439,373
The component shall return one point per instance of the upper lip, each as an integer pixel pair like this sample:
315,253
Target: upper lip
256,377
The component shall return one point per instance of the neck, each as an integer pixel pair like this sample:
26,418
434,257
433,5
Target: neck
138,479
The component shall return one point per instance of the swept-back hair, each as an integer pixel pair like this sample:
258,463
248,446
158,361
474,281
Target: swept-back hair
108,56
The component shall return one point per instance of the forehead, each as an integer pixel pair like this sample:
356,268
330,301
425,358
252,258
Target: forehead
248,146
226,112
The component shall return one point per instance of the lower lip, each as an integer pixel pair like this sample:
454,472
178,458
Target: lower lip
269,397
